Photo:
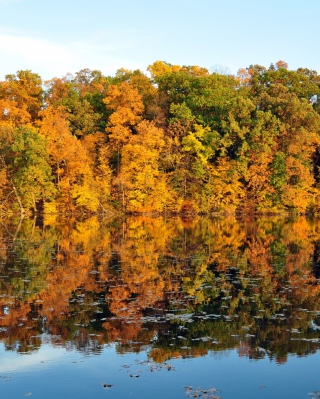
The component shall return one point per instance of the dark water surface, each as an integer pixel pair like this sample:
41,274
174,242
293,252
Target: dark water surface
153,308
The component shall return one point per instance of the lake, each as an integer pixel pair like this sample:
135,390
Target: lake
148,307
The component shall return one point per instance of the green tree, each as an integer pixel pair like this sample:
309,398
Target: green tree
23,156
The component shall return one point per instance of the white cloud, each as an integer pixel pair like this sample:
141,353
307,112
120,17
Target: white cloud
32,53
52,59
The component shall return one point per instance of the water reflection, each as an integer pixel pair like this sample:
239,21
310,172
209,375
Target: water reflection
179,288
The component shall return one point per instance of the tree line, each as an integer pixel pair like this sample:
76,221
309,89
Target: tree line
174,139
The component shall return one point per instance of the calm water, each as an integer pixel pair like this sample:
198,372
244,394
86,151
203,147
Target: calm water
153,308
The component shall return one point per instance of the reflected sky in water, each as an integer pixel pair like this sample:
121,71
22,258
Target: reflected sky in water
55,372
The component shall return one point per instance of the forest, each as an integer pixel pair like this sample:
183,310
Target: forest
174,139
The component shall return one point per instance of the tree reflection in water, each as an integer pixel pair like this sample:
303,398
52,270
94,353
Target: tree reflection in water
177,288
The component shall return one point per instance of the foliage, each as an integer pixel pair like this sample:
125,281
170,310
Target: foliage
25,163
182,138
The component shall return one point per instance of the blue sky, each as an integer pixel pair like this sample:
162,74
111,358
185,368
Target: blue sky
55,37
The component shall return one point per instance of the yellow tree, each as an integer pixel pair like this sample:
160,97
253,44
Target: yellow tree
99,154
11,114
125,103
144,186
148,91
70,162
25,89
127,106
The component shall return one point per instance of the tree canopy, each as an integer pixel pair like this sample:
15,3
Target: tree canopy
174,139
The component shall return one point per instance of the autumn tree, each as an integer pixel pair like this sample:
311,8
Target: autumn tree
82,97
144,187
293,131
126,105
23,90
70,162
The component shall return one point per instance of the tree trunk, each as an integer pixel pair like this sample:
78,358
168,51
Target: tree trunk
22,210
